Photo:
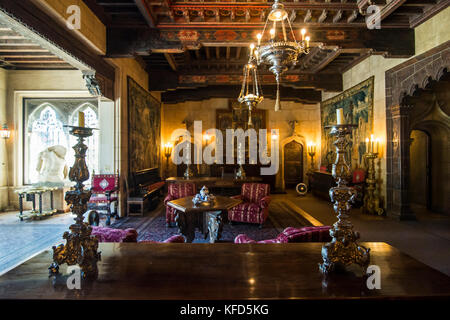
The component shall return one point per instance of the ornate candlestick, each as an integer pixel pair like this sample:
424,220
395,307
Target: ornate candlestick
343,249
167,154
80,248
312,154
188,173
240,173
371,201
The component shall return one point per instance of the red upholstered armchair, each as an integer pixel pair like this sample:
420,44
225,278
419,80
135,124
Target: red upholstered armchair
255,206
104,193
177,191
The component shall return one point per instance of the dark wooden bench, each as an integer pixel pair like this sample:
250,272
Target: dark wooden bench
144,191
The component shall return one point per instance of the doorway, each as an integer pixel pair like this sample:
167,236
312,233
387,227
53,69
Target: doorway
420,169
293,163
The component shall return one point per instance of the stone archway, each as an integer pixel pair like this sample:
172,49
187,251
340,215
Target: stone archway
404,84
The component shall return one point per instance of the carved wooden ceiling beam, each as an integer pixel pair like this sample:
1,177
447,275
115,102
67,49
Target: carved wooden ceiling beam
307,96
392,42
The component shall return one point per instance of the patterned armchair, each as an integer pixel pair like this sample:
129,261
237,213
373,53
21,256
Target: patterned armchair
177,191
255,206
104,193
290,235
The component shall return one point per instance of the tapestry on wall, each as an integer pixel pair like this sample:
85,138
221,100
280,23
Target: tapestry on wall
357,103
144,128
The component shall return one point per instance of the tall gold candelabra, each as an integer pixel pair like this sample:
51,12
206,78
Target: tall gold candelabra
80,248
371,200
312,154
343,250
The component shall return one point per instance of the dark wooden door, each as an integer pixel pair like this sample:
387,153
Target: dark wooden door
293,164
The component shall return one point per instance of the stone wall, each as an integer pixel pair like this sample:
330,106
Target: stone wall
125,67
428,35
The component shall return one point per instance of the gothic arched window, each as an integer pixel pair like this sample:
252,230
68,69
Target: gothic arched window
45,129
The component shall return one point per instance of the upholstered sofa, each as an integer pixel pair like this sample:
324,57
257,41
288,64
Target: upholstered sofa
290,234
255,206
105,234
177,191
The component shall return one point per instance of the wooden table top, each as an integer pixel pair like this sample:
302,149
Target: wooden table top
225,271
221,203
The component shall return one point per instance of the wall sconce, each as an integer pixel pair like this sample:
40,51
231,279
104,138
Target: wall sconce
206,137
167,153
274,134
311,148
5,133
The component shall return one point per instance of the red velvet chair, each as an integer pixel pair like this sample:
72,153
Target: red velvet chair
105,234
290,235
255,206
177,191
104,193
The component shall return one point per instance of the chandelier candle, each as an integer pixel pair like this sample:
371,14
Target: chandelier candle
279,52
340,116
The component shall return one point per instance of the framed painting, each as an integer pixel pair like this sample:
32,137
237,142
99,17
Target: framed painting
357,103
144,128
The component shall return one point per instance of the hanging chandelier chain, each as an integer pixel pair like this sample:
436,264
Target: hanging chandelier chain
278,54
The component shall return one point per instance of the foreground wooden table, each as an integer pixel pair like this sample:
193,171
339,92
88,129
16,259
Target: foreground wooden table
225,271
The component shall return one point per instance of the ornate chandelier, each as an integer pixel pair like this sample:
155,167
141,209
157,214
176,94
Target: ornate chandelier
251,92
281,49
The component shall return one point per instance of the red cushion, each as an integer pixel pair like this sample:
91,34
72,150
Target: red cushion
101,199
105,234
104,182
254,192
181,190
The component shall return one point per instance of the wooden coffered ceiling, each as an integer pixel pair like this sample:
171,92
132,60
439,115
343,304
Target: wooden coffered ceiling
204,44
21,53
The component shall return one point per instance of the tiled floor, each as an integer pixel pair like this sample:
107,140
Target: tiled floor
427,239
20,240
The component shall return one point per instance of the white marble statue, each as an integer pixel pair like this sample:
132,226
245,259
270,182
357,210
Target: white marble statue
52,166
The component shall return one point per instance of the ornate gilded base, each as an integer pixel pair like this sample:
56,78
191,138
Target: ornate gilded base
343,251
80,249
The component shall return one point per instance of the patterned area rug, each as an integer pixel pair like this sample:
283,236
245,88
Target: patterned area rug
153,226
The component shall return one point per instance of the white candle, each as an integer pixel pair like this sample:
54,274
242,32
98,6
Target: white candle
340,116
80,119
367,145
371,143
